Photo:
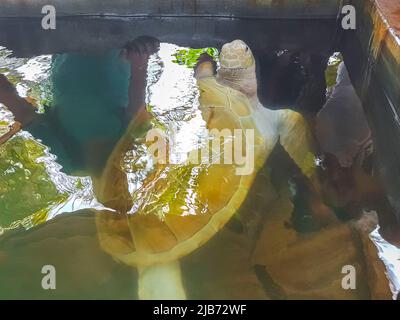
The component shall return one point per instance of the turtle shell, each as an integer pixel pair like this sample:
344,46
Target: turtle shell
175,208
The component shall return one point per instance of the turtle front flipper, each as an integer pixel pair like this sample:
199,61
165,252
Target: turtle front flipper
296,138
161,282
205,67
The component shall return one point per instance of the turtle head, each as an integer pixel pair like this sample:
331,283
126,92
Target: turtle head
236,55
238,68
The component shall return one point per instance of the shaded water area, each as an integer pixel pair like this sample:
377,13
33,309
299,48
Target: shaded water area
288,239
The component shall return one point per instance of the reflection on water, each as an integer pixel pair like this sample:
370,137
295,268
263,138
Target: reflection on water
45,176
33,188
30,76
174,99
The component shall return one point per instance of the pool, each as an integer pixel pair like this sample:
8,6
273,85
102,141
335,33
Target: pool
273,247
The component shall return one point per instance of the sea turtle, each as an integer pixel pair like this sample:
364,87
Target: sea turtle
166,211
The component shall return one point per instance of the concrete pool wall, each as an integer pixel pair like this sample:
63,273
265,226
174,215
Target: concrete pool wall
220,8
194,23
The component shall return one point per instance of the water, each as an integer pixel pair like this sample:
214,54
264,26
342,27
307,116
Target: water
272,247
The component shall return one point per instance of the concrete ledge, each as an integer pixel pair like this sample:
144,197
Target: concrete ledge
26,37
196,23
222,8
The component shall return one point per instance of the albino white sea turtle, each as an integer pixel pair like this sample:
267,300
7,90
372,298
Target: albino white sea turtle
173,209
